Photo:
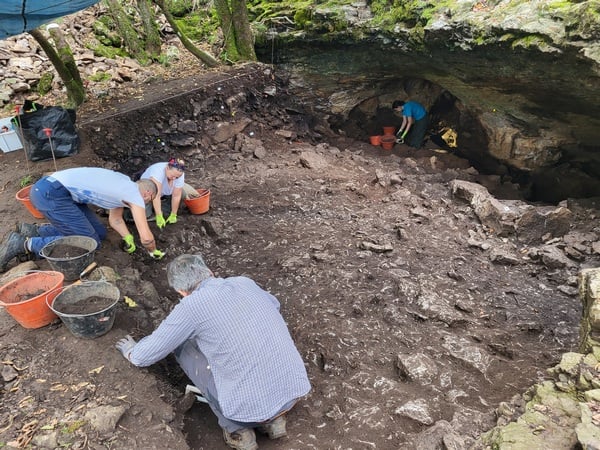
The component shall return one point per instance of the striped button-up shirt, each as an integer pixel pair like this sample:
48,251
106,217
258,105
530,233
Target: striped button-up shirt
237,326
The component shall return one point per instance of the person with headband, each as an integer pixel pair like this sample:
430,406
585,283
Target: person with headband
169,178
64,198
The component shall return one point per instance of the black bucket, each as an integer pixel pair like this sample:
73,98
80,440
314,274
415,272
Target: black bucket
71,267
76,310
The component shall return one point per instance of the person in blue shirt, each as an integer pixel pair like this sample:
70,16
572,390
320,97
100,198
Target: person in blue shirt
64,198
415,121
228,336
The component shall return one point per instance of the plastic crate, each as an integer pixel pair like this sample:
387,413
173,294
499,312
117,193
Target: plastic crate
9,140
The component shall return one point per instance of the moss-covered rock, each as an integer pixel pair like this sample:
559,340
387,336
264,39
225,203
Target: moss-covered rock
45,84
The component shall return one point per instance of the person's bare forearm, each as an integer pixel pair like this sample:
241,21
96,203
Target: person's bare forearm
176,199
116,222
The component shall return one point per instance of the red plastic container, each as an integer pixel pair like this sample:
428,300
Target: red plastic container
24,298
199,205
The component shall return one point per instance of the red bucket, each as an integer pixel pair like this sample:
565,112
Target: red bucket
23,197
387,142
200,204
375,140
25,298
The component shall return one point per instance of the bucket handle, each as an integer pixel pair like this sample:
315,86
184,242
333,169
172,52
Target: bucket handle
60,288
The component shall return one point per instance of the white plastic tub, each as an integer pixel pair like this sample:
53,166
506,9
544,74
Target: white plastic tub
9,140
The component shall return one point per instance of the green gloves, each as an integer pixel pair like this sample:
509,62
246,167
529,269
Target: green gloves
157,254
130,248
161,222
400,140
129,244
172,218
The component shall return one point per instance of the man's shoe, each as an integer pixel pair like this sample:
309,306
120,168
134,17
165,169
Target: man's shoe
275,429
28,230
243,439
13,246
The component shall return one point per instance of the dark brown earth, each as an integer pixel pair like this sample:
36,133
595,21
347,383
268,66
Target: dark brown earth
66,251
366,249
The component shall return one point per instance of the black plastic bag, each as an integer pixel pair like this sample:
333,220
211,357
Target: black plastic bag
61,122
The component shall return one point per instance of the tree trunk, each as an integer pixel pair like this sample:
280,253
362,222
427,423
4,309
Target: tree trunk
64,51
74,86
243,33
130,36
150,28
230,50
201,55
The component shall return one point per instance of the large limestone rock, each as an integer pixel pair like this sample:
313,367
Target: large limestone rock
531,224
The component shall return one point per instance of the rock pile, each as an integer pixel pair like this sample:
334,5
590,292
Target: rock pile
23,63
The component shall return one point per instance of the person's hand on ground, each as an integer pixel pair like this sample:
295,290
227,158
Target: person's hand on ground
160,221
129,244
172,218
157,254
124,345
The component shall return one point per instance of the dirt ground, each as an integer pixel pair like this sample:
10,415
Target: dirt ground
369,254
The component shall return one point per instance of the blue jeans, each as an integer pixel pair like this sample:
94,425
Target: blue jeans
67,218
194,364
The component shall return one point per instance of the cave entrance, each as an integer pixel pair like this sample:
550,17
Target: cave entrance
373,110
446,112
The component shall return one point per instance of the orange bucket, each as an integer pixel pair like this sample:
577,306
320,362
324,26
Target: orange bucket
375,140
25,298
389,131
387,142
23,197
199,205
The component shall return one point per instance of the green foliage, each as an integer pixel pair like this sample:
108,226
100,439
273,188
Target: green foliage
26,181
107,51
529,41
198,26
100,76
171,54
302,17
70,428
560,4
180,8
411,13
45,84
103,30
273,13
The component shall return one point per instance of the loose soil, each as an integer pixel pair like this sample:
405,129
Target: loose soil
84,306
367,250
24,296
66,251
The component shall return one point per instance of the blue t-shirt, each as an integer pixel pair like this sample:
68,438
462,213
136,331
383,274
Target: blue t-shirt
414,110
